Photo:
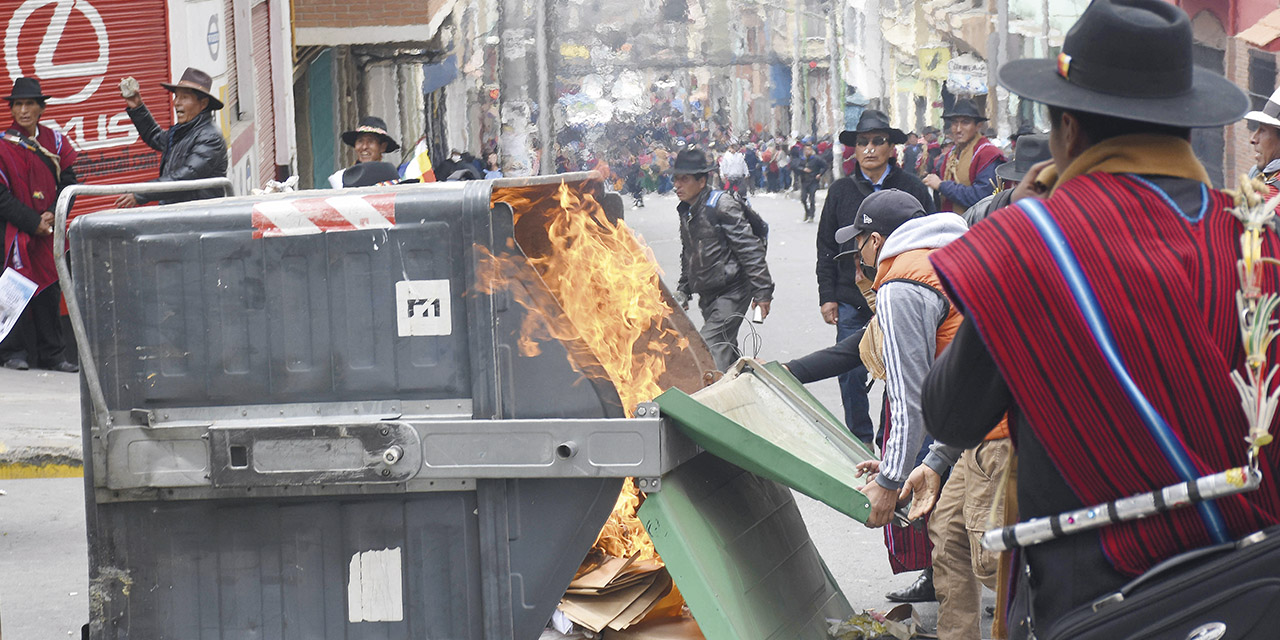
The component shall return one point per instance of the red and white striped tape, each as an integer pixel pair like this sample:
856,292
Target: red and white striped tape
321,215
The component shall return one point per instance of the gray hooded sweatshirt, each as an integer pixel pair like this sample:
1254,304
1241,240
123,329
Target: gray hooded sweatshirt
909,314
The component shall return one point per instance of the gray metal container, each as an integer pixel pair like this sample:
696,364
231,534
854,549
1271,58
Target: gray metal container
286,440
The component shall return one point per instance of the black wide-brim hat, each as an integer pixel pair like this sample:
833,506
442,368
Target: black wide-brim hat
1129,59
197,81
371,124
692,161
873,121
26,89
367,174
964,108
1032,148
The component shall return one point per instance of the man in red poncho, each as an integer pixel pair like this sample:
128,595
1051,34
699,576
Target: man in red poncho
1103,318
969,168
35,162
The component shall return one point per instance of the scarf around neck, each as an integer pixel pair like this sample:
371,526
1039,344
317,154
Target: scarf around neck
1143,154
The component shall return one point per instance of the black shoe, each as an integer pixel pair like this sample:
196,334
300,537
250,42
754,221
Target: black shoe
16,363
920,591
65,367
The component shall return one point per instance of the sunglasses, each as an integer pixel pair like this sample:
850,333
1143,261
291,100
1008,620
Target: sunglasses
878,141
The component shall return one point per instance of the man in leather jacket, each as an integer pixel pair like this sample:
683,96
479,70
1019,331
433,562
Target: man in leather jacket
191,149
721,258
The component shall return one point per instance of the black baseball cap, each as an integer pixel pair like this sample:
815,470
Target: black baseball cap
882,212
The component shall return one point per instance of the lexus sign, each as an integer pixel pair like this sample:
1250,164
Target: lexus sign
80,49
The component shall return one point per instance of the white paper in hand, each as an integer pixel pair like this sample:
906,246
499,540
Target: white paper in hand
15,292
129,87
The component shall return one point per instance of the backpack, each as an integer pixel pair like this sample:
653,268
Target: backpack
759,227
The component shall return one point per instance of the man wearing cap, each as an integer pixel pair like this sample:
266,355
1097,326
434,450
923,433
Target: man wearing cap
1132,231
1266,142
35,164
370,140
721,258
969,168
841,302
191,149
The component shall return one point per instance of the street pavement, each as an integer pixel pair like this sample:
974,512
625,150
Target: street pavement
43,550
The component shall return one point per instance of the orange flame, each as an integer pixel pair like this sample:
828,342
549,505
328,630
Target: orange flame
607,282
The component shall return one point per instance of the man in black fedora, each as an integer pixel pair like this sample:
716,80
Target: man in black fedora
968,169
1103,319
35,164
874,142
722,260
193,148
370,140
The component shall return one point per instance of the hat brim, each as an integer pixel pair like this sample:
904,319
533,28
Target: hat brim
1008,171
896,136
1213,100
847,233
11,98
687,171
1262,118
349,137
214,103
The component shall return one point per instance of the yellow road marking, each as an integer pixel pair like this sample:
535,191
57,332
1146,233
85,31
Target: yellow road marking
21,471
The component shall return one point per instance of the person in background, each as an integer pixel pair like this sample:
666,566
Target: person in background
1266,142
811,169
492,169
969,169
912,153
1032,149
370,140
35,164
721,258
193,148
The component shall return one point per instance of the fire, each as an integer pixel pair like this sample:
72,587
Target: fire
607,282
623,535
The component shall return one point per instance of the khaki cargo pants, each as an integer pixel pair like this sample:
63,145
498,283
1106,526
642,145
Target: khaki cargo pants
961,567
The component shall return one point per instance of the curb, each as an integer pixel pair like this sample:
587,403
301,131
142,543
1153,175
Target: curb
28,464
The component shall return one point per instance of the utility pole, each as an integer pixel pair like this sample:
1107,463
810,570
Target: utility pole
797,94
546,107
1002,58
835,88
516,108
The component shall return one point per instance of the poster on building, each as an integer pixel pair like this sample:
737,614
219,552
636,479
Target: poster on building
79,50
967,76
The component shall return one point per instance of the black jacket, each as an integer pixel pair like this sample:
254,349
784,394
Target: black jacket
719,251
189,151
837,282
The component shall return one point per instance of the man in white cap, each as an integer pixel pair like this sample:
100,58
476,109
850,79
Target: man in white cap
1266,141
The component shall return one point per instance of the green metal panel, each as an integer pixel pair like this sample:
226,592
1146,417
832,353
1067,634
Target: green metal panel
761,418
739,552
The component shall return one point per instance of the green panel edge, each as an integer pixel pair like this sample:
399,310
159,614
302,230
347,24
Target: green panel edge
731,441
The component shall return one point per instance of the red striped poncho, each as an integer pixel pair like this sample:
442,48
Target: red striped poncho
1166,282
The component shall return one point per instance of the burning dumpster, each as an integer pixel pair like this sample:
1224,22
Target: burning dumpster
383,413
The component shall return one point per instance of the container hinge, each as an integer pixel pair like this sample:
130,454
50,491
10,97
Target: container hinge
144,417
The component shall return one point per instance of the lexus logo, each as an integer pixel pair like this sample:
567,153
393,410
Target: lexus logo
44,66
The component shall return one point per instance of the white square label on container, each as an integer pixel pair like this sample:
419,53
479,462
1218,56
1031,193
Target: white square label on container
423,308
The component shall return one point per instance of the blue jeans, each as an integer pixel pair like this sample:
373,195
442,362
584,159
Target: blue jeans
853,383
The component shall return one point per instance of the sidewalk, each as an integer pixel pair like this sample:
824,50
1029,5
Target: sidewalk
39,425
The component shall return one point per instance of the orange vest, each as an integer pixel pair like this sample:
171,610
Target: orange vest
915,266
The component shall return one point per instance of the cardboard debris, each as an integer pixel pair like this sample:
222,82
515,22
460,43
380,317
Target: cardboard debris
601,576
662,629
616,593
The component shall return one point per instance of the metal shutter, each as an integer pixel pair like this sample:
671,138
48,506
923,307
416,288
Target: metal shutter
264,100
